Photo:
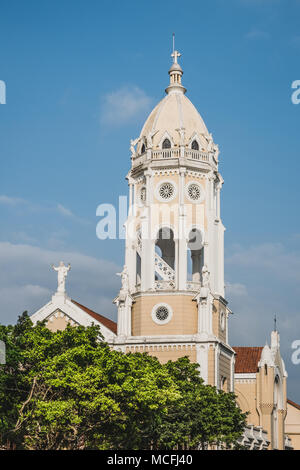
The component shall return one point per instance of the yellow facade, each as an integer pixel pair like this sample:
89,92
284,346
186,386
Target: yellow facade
165,353
183,321
292,423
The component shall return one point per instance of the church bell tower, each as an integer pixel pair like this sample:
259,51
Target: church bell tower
172,300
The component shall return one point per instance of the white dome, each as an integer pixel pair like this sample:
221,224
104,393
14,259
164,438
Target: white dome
175,118
173,113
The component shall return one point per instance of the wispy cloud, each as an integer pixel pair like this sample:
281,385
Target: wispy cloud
16,202
11,201
23,237
257,35
64,211
236,289
276,258
121,106
265,280
27,281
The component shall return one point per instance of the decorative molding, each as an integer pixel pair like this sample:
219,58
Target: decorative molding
165,307
156,347
158,187
201,190
166,171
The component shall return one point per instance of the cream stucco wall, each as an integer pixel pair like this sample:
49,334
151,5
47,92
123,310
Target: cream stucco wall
211,366
292,425
183,322
224,371
246,399
58,321
218,310
165,353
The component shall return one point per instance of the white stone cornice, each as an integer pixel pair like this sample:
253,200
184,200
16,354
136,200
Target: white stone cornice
245,376
64,305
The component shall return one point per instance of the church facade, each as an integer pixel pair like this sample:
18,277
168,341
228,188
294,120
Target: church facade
172,300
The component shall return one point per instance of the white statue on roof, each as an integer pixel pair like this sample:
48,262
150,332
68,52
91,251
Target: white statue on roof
133,143
205,276
124,279
62,272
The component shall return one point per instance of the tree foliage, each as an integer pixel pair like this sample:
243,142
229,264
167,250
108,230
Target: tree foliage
69,390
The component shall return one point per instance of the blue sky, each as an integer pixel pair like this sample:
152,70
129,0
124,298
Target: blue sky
81,78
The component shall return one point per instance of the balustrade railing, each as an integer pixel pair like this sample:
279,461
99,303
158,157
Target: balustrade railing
164,285
192,285
163,154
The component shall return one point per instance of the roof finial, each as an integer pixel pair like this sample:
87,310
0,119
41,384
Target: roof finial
175,71
275,323
175,54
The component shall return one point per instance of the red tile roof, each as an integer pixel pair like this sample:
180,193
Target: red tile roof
294,404
111,325
247,359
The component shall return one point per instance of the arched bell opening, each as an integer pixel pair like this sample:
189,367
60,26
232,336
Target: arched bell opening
195,256
165,245
164,254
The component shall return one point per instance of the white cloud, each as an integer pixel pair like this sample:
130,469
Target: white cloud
69,214
32,207
123,105
236,289
27,280
279,261
11,201
23,237
270,273
257,35
64,211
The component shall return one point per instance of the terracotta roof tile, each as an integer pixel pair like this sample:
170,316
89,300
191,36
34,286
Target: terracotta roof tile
247,359
294,404
111,325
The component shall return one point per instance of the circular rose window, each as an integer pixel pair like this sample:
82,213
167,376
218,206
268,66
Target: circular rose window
161,313
194,192
166,191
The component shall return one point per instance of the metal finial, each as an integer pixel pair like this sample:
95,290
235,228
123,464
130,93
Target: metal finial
175,54
275,323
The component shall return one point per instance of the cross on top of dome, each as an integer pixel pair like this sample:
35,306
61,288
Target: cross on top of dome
175,55
175,72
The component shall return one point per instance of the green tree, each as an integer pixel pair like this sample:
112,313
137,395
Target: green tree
203,416
69,390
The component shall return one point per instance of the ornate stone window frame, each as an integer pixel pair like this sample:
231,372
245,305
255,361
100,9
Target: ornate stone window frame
166,135
141,200
142,142
194,201
197,138
154,317
159,185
